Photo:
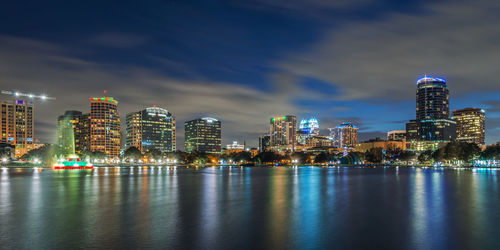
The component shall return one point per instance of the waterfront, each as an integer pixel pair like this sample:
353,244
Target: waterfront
250,208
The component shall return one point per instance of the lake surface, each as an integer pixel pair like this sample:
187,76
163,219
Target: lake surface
250,208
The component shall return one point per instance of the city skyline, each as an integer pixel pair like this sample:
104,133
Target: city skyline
260,61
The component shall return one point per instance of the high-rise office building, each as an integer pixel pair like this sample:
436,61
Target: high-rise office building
470,125
105,134
433,99
151,128
344,135
17,125
203,135
432,112
283,133
73,131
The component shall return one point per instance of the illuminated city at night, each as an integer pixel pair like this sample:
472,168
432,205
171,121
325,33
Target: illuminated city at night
274,124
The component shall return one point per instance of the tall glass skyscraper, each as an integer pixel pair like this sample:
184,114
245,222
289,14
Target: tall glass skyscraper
151,128
433,99
105,134
203,135
432,112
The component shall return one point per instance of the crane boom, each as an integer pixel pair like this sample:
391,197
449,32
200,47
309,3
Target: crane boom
15,93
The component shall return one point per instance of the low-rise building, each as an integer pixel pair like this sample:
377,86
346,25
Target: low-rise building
387,145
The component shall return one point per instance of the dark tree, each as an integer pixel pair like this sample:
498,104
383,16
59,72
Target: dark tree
491,153
132,153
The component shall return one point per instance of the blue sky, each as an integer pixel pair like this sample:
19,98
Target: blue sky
245,61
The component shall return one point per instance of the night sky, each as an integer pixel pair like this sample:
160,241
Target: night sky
246,61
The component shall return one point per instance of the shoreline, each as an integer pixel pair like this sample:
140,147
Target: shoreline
23,166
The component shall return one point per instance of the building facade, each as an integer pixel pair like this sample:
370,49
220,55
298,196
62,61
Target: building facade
151,128
73,131
387,145
264,143
203,135
433,99
105,134
396,135
470,125
17,125
413,130
283,133
344,135
438,130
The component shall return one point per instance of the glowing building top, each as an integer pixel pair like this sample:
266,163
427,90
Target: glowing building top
310,126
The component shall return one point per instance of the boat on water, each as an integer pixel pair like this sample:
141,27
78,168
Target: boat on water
73,162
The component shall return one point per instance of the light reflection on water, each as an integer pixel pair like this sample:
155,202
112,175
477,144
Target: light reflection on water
252,208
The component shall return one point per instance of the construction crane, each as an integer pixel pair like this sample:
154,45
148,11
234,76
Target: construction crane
32,96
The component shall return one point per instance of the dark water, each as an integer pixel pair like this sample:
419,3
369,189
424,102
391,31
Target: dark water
250,208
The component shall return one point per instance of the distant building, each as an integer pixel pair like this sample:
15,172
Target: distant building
151,128
470,125
413,130
235,146
318,141
105,134
344,135
264,142
420,146
203,135
17,125
73,131
438,130
387,145
396,135
302,137
283,133
309,126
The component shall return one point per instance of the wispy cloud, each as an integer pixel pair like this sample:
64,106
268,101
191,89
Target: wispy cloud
381,59
39,67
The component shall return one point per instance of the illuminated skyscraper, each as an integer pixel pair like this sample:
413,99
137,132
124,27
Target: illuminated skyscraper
283,133
433,99
203,135
470,125
73,131
16,126
105,133
433,110
344,135
151,128
309,126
